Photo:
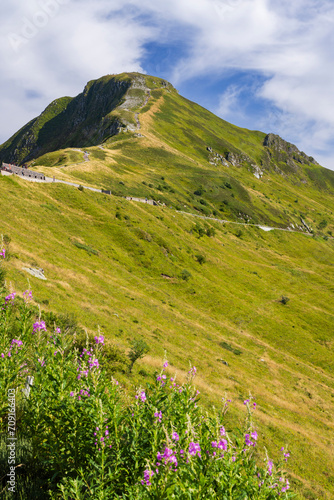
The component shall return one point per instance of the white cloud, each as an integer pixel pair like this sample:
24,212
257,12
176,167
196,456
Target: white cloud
288,43
55,55
230,107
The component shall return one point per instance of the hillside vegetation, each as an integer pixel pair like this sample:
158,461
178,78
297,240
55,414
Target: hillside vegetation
250,309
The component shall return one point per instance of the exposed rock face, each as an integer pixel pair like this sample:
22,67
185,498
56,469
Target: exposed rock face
280,151
105,108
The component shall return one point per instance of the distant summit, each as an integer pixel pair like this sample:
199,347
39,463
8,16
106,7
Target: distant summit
106,107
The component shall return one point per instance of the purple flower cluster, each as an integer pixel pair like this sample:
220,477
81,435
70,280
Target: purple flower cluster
14,342
142,397
175,436
247,401
27,295
99,339
39,326
92,363
286,487
194,449
158,416
192,371
248,437
102,436
167,458
222,445
3,253
10,298
147,476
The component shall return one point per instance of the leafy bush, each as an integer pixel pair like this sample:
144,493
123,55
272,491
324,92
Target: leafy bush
185,275
200,258
322,224
87,248
138,350
284,300
197,228
210,232
228,347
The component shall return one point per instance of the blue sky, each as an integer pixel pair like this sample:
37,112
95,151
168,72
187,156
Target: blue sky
260,64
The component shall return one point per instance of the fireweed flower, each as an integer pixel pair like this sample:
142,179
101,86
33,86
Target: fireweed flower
143,396
286,487
92,363
41,361
10,298
99,340
39,326
27,295
147,476
167,458
192,371
158,416
248,437
19,343
270,467
165,364
222,431
103,437
175,436
222,445
194,449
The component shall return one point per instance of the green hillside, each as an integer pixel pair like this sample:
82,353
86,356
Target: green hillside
207,292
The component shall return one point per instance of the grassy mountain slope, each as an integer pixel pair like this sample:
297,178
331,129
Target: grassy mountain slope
207,292
127,275
185,156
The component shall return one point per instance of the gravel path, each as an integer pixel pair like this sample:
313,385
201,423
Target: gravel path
152,202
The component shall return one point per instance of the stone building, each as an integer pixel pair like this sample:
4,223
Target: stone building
22,171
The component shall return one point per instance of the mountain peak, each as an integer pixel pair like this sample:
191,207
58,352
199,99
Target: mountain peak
104,108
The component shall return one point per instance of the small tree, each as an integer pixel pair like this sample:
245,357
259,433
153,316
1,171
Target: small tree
284,300
185,275
139,349
200,258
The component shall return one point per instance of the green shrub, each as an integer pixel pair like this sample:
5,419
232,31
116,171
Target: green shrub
185,275
87,248
200,258
139,349
210,232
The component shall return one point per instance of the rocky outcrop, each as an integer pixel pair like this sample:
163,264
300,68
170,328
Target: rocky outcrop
280,151
228,159
105,108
